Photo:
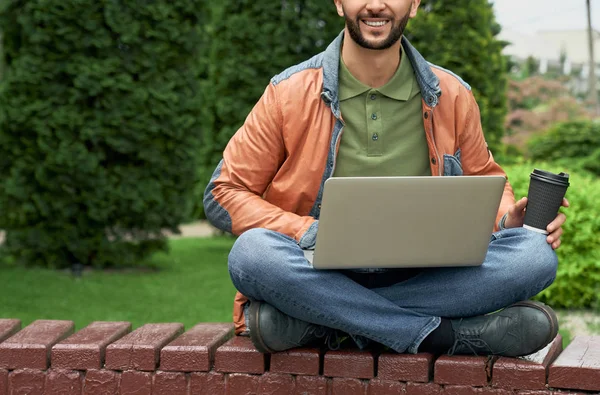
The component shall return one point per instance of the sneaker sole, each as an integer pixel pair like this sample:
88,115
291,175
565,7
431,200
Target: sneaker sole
550,314
254,326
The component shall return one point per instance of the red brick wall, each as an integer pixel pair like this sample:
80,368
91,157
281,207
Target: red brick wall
49,357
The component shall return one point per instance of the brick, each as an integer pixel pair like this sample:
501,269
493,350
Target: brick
550,392
405,367
578,366
30,348
8,327
3,382
311,385
423,389
85,349
349,363
528,372
459,390
241,383
385,387
26,381
134,382
140,350
461,370
304,361
238,355
468,390
276,383
347,386
194,351
492,391
207,383
565,392
63,382
169,383
101,382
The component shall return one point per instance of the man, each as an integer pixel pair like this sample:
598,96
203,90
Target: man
370,105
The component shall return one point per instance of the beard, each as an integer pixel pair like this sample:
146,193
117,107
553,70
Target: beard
395,34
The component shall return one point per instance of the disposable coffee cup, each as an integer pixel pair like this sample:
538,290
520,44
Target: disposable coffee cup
546,192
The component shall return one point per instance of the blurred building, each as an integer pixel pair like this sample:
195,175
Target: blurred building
562,51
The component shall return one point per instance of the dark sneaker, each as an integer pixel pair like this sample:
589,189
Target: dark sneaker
272,331
520,329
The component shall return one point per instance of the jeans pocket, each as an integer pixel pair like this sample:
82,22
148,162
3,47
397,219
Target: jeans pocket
452,164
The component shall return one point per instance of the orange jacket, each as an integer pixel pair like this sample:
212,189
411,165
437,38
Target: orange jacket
273,169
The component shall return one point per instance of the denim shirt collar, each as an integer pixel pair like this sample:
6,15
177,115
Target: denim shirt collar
428,81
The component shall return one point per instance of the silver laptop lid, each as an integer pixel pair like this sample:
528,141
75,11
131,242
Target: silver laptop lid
396,222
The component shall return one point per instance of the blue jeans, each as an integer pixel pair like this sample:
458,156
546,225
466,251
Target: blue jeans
269,266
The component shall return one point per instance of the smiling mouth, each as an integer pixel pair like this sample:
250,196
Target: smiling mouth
375,23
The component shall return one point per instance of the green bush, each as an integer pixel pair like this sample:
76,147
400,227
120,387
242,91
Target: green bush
98,127
569,143
577,284
592,162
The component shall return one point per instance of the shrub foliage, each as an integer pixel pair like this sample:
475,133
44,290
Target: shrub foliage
99,127
570,142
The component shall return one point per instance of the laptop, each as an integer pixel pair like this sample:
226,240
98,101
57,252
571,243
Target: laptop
406,222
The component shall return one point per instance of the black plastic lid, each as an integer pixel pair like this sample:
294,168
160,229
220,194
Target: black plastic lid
560,178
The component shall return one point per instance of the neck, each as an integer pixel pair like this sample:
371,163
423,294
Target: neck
373,68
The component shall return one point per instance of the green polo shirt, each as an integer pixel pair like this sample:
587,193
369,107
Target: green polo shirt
383,133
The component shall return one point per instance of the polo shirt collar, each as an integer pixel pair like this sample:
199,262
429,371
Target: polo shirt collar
400,87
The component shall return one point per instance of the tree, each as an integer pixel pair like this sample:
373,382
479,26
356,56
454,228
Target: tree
461,35
98,127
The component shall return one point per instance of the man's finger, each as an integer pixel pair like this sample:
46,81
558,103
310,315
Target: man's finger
552,237
520,205
556,244
565,202
557,223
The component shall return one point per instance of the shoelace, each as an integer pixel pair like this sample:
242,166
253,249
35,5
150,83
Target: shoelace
471,343
329,334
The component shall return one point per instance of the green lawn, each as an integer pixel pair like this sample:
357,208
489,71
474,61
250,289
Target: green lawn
191,285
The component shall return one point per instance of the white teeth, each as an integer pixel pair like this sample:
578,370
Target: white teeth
375,24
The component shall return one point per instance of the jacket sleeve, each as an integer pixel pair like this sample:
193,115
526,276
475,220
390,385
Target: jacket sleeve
477,159
233,199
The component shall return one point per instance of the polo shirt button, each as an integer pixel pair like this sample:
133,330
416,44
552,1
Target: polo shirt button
433,161
373,97
374,116
319,206
375,137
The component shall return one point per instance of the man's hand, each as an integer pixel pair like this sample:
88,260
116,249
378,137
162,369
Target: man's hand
517,212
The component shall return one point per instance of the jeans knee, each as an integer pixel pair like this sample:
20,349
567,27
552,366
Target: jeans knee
260,259
247,253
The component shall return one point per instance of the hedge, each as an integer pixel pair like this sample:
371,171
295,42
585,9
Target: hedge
99,127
